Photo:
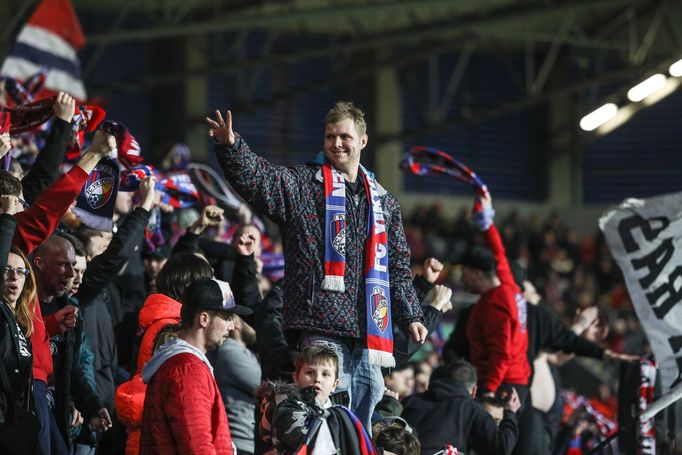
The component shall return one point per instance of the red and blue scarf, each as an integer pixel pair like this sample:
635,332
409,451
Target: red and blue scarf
377,289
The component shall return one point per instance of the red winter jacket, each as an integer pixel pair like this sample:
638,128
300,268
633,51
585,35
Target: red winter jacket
158,311
498,341
183,410
129,404
34,226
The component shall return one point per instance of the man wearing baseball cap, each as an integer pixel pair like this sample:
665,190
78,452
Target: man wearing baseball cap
183,408
498,340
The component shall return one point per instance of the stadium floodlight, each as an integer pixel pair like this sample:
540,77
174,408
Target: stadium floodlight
675,69
598,117
646,87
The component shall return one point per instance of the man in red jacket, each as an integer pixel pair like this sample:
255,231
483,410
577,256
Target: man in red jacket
498,341
183,408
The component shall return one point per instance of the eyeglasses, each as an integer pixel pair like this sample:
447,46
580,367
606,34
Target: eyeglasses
23,203
17,270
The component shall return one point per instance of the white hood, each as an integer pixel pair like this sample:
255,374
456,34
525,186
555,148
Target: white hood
167,350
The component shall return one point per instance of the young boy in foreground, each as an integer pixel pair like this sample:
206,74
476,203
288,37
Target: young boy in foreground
318,367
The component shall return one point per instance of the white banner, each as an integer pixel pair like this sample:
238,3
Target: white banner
645,238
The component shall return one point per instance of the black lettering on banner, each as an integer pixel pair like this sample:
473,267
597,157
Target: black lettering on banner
627,225
674,295
654,261
675,343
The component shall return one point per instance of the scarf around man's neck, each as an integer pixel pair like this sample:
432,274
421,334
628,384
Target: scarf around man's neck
377,290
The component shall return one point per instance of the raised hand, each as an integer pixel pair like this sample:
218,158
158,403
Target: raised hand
584,319
221,129
5,144
246,244
148,192
211,216
64,106
439,298
432,269
102,144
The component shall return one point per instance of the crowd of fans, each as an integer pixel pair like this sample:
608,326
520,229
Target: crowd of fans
167,334
571,273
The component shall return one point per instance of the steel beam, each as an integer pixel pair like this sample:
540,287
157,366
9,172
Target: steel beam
277,18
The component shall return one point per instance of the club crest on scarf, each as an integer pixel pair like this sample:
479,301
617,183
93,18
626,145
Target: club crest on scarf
379,309
338,231
100,186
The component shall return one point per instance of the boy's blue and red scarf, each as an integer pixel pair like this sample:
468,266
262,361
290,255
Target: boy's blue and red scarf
377,289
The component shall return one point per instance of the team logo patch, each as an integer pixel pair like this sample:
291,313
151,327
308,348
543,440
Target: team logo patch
100,186
379,309
338,230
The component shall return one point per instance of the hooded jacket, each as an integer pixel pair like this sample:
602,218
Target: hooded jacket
183,409
129,406
447,414
158,311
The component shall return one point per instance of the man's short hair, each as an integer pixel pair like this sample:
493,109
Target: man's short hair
460,371
9,184
343,110
187,316
84,234
318,354
179,271
78,246
395,436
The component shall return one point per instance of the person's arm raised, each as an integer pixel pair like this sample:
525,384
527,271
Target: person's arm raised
102,145
276,191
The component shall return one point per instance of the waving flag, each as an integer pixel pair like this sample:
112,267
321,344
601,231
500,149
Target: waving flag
47,46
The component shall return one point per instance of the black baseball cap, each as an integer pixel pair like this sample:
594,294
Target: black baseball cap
479,258
213,295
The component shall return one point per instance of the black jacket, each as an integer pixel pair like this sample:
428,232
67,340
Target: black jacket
16,380
70,382
98,299
446,414
547,333
15,368
45,171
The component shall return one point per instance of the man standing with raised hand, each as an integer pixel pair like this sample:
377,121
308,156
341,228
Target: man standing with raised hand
347,273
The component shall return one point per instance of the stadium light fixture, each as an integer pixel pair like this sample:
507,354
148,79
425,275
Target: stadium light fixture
646,87
675,69
598,117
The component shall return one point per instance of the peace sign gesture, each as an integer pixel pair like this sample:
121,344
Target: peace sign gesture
221,130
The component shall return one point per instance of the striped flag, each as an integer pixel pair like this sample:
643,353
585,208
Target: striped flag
48,42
